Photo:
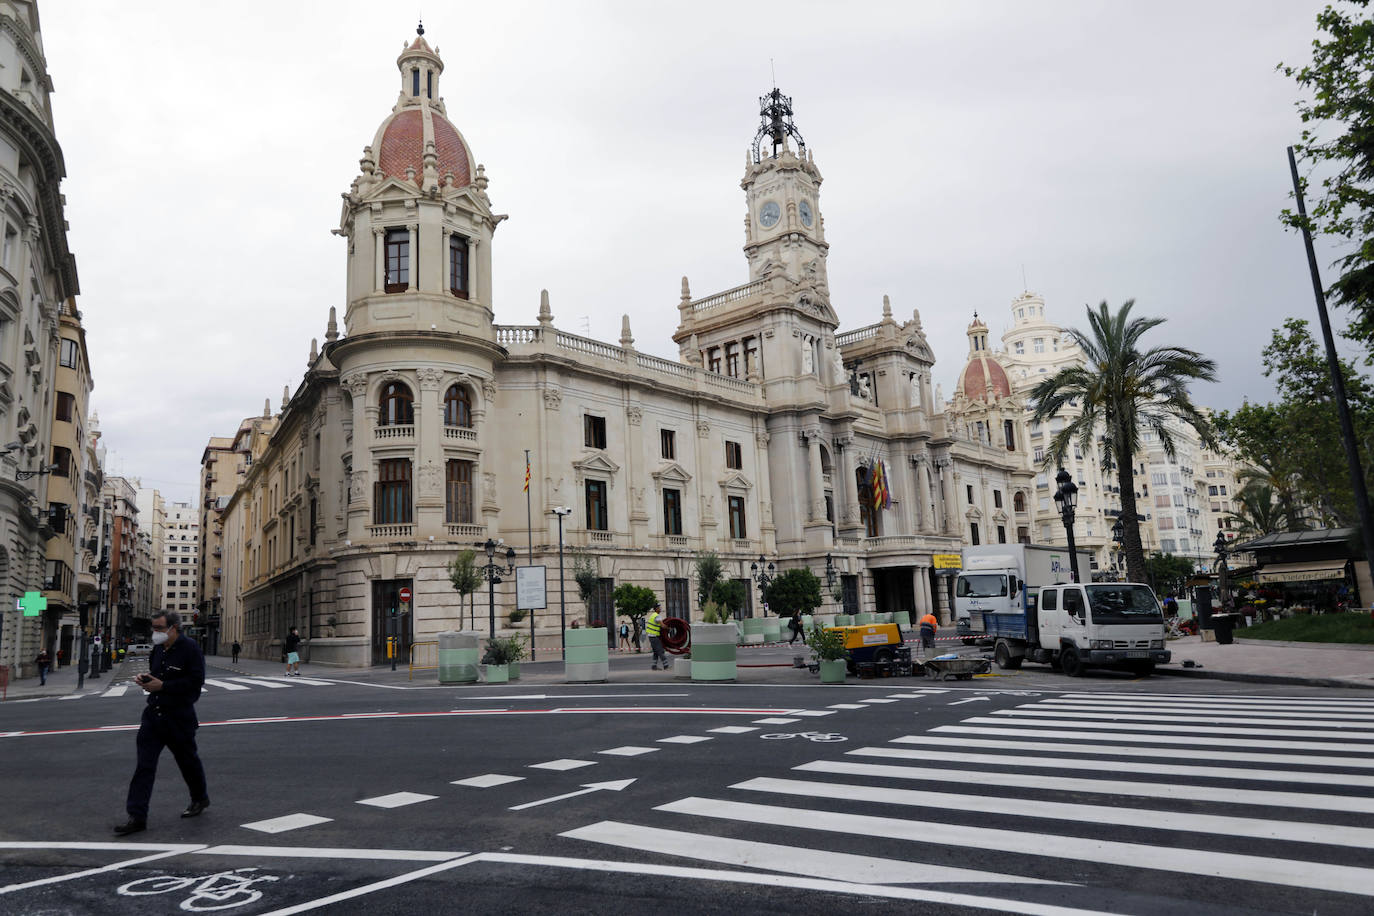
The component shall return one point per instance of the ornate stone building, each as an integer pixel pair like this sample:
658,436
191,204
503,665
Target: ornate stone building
406,440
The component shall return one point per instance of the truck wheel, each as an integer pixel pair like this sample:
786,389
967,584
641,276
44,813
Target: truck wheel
882,656
970,640
1071,663
1005,660
1143,669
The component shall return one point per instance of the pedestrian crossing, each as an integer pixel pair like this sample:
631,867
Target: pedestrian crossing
1085,802
212,685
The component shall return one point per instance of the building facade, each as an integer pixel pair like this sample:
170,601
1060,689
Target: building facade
37,277
774,435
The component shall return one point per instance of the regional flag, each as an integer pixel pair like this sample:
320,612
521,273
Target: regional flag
882,498
527,474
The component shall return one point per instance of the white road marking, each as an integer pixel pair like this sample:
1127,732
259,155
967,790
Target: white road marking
487,781
226,685
1181,727
629,750
810,712
1230,866
1172,716
287,822
1193,699
561,765
613,786
775,721
396,800
116,691
1190,741
847,706
1162,753
685,739
371,888
572,696
1172,790
1121,766
905,696
879,700
969,700
292,679
1255,828
262,682
1210,710
166,852
75,696
330,852
733,729
840,866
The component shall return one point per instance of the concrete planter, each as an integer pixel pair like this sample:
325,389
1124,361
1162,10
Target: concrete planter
498,674
832,672
754,631
864,619
772,629
713,652
682,668
458,654
843,620
514,671
586,660
901,619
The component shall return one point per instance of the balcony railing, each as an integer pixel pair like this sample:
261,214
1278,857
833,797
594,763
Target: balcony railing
391,531
466,531
394,432
461,433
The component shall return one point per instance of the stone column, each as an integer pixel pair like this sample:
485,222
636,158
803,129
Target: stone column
927,525
472,270
813,448
922,589
379,252
445,277
429,473
951,499
414,231
358,494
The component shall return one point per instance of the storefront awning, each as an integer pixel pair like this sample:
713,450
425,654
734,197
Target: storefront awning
1303,572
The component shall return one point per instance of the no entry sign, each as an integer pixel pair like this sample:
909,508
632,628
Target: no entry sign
405,596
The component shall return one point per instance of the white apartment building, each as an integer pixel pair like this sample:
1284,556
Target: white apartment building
178,587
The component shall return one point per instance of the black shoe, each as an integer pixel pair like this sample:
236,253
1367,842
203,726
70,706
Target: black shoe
195,808
130,826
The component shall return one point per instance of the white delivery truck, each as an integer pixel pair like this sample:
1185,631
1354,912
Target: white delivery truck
991,576
1070,626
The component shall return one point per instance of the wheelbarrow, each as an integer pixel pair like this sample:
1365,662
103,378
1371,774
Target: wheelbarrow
961,669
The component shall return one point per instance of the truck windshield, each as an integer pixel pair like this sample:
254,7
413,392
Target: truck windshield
1124,604
991,585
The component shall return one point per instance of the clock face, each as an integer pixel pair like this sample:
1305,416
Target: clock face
769,214
804,209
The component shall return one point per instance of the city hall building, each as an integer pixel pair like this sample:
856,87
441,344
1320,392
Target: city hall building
406,440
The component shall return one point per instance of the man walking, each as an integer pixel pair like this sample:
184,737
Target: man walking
654,627
175,678
928,627
44,662
236,649
293,655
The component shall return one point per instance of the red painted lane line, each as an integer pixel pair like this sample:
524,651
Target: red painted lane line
267,720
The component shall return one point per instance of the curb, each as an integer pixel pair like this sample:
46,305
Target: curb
1261,678
1350,646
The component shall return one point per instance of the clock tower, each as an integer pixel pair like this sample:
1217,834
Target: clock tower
783,230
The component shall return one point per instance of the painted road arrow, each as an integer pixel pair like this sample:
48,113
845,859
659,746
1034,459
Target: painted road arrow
969,700
614,786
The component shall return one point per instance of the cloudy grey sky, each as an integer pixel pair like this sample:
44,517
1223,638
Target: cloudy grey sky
1109,151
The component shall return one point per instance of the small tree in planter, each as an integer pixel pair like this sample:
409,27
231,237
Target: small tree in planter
793,590
709,572
466,579
827,647
713,644
502,653
586,575
729,594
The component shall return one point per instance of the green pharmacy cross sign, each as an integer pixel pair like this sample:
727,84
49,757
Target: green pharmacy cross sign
33,604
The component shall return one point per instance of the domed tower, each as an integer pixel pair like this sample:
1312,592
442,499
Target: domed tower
982,397
417,218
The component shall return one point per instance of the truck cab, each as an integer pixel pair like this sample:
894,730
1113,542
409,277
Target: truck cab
1106,625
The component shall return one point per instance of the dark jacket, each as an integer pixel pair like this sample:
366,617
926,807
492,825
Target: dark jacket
181,668
293,642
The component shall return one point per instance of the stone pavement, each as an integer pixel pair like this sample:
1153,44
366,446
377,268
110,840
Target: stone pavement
1266,661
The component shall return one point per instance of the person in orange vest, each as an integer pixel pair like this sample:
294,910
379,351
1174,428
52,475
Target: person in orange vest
928,627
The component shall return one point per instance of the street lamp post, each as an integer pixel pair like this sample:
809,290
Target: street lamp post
1118,546
829,573
1220,545
493,572
561,512
762,576
1065,500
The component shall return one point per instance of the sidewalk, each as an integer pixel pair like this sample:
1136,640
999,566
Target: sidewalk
1263,661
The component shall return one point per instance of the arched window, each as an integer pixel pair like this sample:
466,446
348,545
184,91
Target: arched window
1018,501
398,406
458,407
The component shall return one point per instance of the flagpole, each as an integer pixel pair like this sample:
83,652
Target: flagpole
529,533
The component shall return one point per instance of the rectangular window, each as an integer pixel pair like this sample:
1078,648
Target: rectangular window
1022,535
596,506
68,355
997,499
973,534
66,406
1009,434
1001,534
1212,491
1039,454
732,360
1223,489
713,360
734,456
738,530
593,431
458,493
667,440
429,84
675,600
1039,344
415,81
672,512
63,459
397,260
391,493
1020,348
458,266
969,488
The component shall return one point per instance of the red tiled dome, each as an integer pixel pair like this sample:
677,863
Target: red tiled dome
975,381
402,146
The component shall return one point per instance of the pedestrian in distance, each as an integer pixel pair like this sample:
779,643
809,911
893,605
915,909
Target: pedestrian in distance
236,649
928,627
44,662
795,625
293,655
175,678
624,636
654,627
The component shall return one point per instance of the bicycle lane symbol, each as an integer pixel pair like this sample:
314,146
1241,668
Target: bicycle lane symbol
219,891
817,737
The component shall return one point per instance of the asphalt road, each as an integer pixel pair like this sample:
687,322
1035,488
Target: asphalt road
1031,794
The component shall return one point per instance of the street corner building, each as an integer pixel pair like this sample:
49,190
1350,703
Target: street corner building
772,434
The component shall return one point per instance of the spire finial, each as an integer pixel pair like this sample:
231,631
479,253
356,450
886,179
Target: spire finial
332,330
420,29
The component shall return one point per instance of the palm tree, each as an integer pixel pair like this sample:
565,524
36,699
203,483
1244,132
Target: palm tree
1122,389
1259,512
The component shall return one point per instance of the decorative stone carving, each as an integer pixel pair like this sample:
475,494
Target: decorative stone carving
837,366
703,429
915,389
429,378
808,356
429,477
635,416
358,488
865,388
553,398
355,385
489,488
391,375
488,390
762,439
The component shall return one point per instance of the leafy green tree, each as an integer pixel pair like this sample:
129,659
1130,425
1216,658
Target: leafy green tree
708,572
1121,389
729,594
793,590
634,602
1338,142
466,578
1166,573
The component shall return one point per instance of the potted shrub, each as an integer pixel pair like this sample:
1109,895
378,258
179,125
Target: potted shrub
500,653
827,647
713,644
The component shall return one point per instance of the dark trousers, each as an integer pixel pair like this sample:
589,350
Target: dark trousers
173,731
927,636
236,656
43,674
656,643
796,628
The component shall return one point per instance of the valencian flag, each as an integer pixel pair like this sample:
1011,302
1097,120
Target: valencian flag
527,473
882,497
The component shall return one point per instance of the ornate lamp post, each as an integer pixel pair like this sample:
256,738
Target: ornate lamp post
762,576
1118,546
561,512
1220,545
493,572
1066,500
829,573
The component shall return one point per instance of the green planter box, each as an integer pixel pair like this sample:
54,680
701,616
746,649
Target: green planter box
498,674
833,672
901,619
458,658
713,652
844,620
754,631
862,619
586,659
514,671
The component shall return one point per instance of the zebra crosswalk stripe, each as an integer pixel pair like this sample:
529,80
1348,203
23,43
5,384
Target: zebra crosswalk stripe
1211,710
1201,740
262,682
1172,716
226,685
1181,728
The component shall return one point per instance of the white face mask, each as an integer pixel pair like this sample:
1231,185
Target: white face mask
159,638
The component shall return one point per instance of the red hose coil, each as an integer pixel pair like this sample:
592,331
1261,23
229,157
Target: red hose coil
676,635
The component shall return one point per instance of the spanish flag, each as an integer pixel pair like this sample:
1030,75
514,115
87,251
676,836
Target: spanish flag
527,474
